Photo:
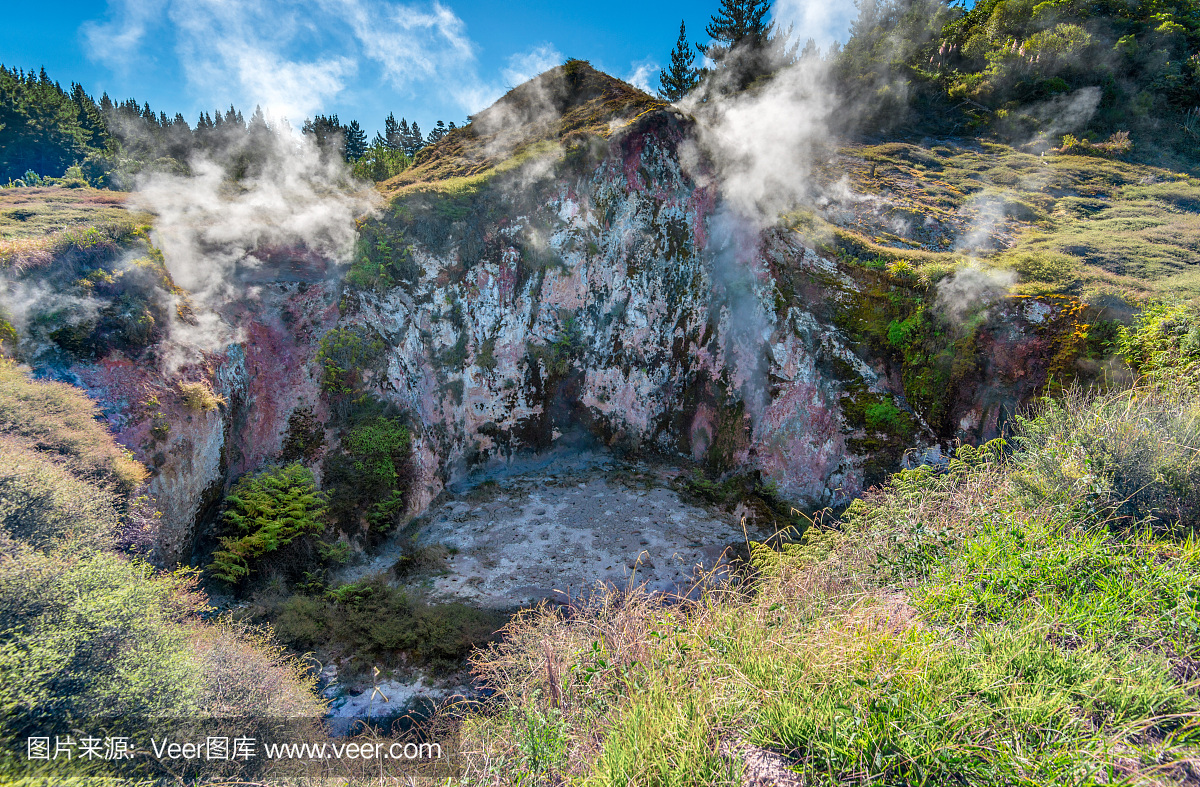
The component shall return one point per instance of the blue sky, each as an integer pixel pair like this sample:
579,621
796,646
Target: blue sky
358,58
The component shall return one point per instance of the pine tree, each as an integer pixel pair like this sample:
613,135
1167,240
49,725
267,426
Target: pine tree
744,43
402,135
356,141
439,131
677,81
328,132
737,22
414,141
391,132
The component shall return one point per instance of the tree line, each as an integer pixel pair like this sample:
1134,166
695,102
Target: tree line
930,61
49,131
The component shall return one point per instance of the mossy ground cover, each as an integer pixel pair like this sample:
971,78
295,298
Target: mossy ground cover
1065,222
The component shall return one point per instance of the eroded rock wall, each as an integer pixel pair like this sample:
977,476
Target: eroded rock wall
623,318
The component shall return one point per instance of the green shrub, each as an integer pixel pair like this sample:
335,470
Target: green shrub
199,397
263,513
382,259
382,625
564,350
1163,345
380,162
345,355
91,635
370,474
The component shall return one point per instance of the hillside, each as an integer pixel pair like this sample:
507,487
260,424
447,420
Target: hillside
564,106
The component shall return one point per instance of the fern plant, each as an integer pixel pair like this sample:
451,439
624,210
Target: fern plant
265,512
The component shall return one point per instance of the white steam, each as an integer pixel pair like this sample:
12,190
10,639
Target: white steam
762,142
971,286
209,227
759,146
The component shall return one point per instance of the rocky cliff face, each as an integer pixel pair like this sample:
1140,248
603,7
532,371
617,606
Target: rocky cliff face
580,278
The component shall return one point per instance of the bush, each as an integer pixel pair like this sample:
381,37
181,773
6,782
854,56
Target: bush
380,162
386,626
371,473
1163,345
382,259
345,354
1131,452
91,635
199,397
265,512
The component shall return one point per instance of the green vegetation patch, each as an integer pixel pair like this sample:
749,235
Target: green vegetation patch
265,512
346,356
368,478
380,625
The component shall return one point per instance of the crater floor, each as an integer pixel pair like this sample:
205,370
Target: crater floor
558,531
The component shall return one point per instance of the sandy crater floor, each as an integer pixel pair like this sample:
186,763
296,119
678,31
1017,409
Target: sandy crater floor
556,533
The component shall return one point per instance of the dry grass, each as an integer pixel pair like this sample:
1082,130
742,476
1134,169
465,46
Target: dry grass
58,418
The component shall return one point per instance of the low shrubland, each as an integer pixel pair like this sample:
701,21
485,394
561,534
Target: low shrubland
89,632
1026,614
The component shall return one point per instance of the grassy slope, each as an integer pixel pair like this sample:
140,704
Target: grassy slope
38,225
1079,224
85,628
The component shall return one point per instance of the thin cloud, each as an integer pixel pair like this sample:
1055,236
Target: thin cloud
118,41
644,75
524,66
296,58
409,42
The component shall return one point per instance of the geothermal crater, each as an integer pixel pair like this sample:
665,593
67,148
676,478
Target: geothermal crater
560,526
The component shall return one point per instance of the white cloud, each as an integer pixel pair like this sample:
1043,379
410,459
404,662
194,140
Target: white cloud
409,42
644,75
295,58
524,66
118,42
230,47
